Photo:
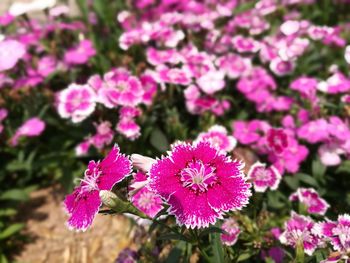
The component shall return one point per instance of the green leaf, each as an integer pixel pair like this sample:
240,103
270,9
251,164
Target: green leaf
292,181
174,256
3,259
244,256
15,195
307,179
8,212
300,256
172,236
11,230
318,169
344,167
159,140
274,200
218,251
211,229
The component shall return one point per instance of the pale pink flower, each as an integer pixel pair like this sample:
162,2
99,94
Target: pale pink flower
145,199
218,136
76,102
82,148
290,27
282,67
264,177
330,154
159,57
347,54
233,65
199,184
30,128
211,82
142,163
104,135
129,128
311,199
231,227
10,52
314,131
173,76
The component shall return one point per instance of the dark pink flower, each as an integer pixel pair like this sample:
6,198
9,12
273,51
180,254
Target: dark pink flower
245,44
83,204
277,140
264,177
199,183
232,230
310,198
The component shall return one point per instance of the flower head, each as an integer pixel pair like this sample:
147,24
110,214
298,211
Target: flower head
83,204
145,199
76,102
299,229
80,54
217,136
199,183
31,128
10,52
338,233
264,177
277,140
310,198
231,227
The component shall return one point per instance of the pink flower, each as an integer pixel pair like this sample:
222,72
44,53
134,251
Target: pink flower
142,163
277,140
248,132
129,128
338,233
145,199
263,178
47,65
120,89
314,131
10,52
83,204
149,86
31,128
337,83
245,44
82,148
282,67
80,54
217,136
310,198
290,27
76,102
173,76
104,135
306,86
199,183
211,82
330,154
159,57
338,128
233,65
299,229
232,230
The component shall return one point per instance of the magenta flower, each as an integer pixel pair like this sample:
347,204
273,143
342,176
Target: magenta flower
76,102
314,131
231,227
83,204
149,86
277,140
145,199
31,128
245,44
217,136
299,229
199,183
80,54
311,199
264,177
129,128
248,132
120,89
10,52
338,233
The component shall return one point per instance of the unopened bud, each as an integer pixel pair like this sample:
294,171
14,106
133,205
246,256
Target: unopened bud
141,162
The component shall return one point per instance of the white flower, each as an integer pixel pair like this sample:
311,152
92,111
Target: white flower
20,8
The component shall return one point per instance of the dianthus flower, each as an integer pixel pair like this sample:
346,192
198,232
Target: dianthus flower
80,54
217,136
10,52
145,199
298,229
232,230
30,128
199,183
277,140
264,177
338,232
83,204
311,199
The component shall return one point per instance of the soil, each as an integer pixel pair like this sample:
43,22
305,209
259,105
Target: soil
51,241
